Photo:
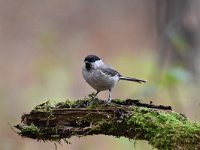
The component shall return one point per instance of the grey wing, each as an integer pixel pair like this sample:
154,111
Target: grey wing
109,71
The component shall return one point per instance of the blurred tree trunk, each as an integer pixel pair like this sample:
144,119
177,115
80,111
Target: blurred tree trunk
176,39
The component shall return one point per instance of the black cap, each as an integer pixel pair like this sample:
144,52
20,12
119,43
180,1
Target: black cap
91,58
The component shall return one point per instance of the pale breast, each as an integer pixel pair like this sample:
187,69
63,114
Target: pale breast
99,80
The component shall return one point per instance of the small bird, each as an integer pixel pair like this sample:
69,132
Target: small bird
101,76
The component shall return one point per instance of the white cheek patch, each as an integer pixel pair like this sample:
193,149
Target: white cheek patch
98,63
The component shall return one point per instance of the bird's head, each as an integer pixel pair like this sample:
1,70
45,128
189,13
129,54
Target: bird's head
92,61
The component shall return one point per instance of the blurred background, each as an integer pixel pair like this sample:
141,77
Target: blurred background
43,45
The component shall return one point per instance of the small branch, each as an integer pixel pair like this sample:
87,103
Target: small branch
159,125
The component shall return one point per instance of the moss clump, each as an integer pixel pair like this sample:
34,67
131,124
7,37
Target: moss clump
163,130
31,130
65,104
44,107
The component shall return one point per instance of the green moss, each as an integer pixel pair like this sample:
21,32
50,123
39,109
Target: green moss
65,104
162,129
31,130
117,100
48,106
44,107
42,134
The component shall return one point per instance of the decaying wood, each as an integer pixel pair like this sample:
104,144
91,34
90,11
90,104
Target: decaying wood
130,118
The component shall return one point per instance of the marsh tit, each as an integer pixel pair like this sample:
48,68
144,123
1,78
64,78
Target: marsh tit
101,76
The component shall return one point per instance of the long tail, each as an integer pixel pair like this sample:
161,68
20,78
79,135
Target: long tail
132,79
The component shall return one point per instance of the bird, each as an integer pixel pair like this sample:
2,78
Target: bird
101,76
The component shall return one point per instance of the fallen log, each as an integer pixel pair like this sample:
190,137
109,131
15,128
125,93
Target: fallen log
133,119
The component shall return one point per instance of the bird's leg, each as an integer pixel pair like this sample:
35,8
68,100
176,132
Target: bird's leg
95,96
109,97
97,93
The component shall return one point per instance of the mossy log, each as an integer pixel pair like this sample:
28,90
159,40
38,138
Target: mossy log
159,125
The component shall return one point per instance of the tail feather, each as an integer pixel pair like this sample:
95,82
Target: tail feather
132,79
